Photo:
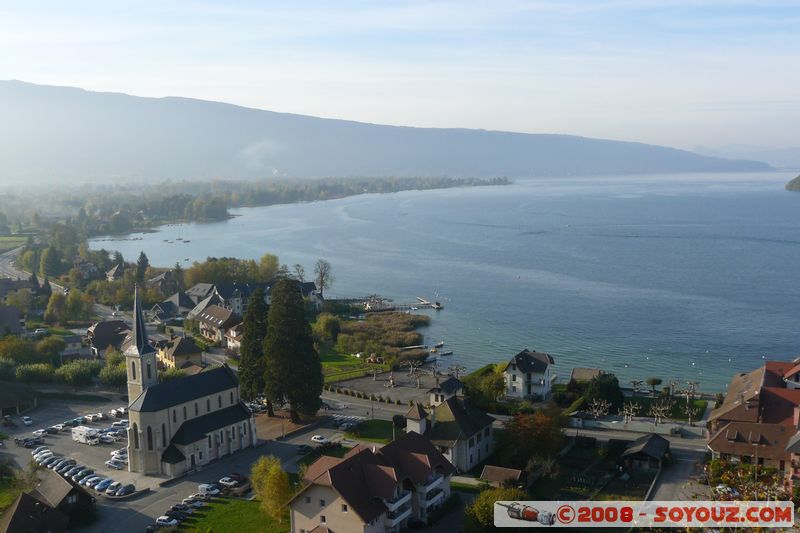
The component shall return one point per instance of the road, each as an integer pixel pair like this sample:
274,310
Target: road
675,482
675,443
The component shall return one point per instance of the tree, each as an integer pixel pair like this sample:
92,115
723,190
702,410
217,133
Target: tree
118,259
50,262
480,513
659,411
177,272
293,368
78,305
21,351
252,365
599,407
56,309
605,387
528,435
323,275
653,382
326,328
637,385
629,410
50,349
170,373
268,267
271,485
114,374
142,264
77,373
21,299
34,281
299,272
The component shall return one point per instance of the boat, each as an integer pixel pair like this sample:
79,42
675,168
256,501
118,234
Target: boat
439,344
437,305
445,353
433,350
187,240
415,308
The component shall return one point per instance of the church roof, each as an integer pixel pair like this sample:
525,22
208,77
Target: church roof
197,428
185,389
139,335
172,455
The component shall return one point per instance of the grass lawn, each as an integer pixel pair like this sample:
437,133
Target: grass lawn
678,406
339,367
229,514
465,487
336,451
10,242
373,431
8,493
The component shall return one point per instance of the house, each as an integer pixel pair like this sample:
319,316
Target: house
372,490
88,270
215,321
528,376
758,417
200,292
645,453
165,283
176,306
116,272
106,334
177,351
446,389
233,337
462,433
12,321
73,348
497,476
204,304
9,285
53,505
584,375
236,296
185,423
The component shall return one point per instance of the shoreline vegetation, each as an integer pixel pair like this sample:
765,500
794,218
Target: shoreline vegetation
794,185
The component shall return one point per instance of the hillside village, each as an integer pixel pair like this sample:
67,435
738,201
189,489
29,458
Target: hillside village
177,359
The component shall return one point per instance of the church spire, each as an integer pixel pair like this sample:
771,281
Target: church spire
139,332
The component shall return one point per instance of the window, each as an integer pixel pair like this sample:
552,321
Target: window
200,454
322,519
344,508
135,436
308,499
196,410
322,503
208,405
244,428
219,400
72,499
149,372
478,437
231,397
175,416
163,435
513,377
513,366
513,388
486,432
209,442
471,443
184,412
133,370
149,438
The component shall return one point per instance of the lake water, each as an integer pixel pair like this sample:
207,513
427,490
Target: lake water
684,277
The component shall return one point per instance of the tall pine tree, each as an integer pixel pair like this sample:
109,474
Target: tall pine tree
251,364
293,368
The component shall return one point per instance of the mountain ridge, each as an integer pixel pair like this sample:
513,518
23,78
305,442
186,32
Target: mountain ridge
54,132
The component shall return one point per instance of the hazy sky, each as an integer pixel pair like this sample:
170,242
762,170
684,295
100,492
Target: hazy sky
679,73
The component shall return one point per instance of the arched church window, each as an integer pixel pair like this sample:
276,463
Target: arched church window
133,370
135,436
149,438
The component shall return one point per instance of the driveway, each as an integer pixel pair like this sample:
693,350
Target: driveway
675,483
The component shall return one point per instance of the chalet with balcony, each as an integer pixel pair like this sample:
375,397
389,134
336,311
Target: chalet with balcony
215,321
373,490
528,376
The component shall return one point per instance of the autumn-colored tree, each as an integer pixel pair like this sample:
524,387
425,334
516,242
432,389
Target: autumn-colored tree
527,435
271,485
480,514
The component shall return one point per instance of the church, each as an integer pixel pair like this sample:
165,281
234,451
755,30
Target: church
187,422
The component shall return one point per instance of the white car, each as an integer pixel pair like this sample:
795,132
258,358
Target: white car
207,488
40,433
319,439
193,502
28,421
115,464
165,521
40,449
121,451
60,427
228,482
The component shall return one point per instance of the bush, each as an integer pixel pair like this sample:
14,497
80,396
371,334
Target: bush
78,372
35,373
8,371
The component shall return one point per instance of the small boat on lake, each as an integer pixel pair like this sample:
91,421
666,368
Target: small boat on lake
439,344
445,353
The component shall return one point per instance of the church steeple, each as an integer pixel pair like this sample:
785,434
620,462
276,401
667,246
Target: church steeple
140,356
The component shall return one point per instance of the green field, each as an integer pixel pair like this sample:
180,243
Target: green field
229,514
10,242
335,451
678,406
339,367
373,430
8,493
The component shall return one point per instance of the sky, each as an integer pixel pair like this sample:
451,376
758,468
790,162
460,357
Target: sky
676,72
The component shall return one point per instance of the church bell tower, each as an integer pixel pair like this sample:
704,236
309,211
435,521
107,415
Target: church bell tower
140,356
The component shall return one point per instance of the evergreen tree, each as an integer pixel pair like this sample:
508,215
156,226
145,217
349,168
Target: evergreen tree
251,364
141,266
293,368
177,272
34,281
118,259
50,262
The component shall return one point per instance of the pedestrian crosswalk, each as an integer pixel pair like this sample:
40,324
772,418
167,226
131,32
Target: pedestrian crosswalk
341,419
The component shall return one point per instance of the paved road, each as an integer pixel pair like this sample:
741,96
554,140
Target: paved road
676,443
675,483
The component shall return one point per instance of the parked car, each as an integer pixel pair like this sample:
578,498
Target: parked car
120,451
182,507
40,433
228,482
51,460
319,439
120,424
62,464
28,421
127,489
93,481
74,470
177,515
193,502
52,430
43,453
101,486
39,331
208,488
165,521
66,467
201,496
115,464
61,427
303,449
42,456
107,439
82,474
113,488
39,449
90,478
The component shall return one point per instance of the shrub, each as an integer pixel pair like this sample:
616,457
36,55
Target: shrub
78,372
35,373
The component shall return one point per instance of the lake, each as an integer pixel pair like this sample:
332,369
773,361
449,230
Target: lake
684,277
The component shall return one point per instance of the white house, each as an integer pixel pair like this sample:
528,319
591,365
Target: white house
444,390
528,375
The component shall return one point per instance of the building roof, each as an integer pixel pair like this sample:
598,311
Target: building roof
742,395
29,514
52,488
498,474
454,419
185,389
449,386
364,477
181,346
793,445
651,445
172,455
139,345
196,429
307,288
213,299
531,361
769,441
13,394
200,291
580,374
10,320
416,412
108,333
116,271
218,317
